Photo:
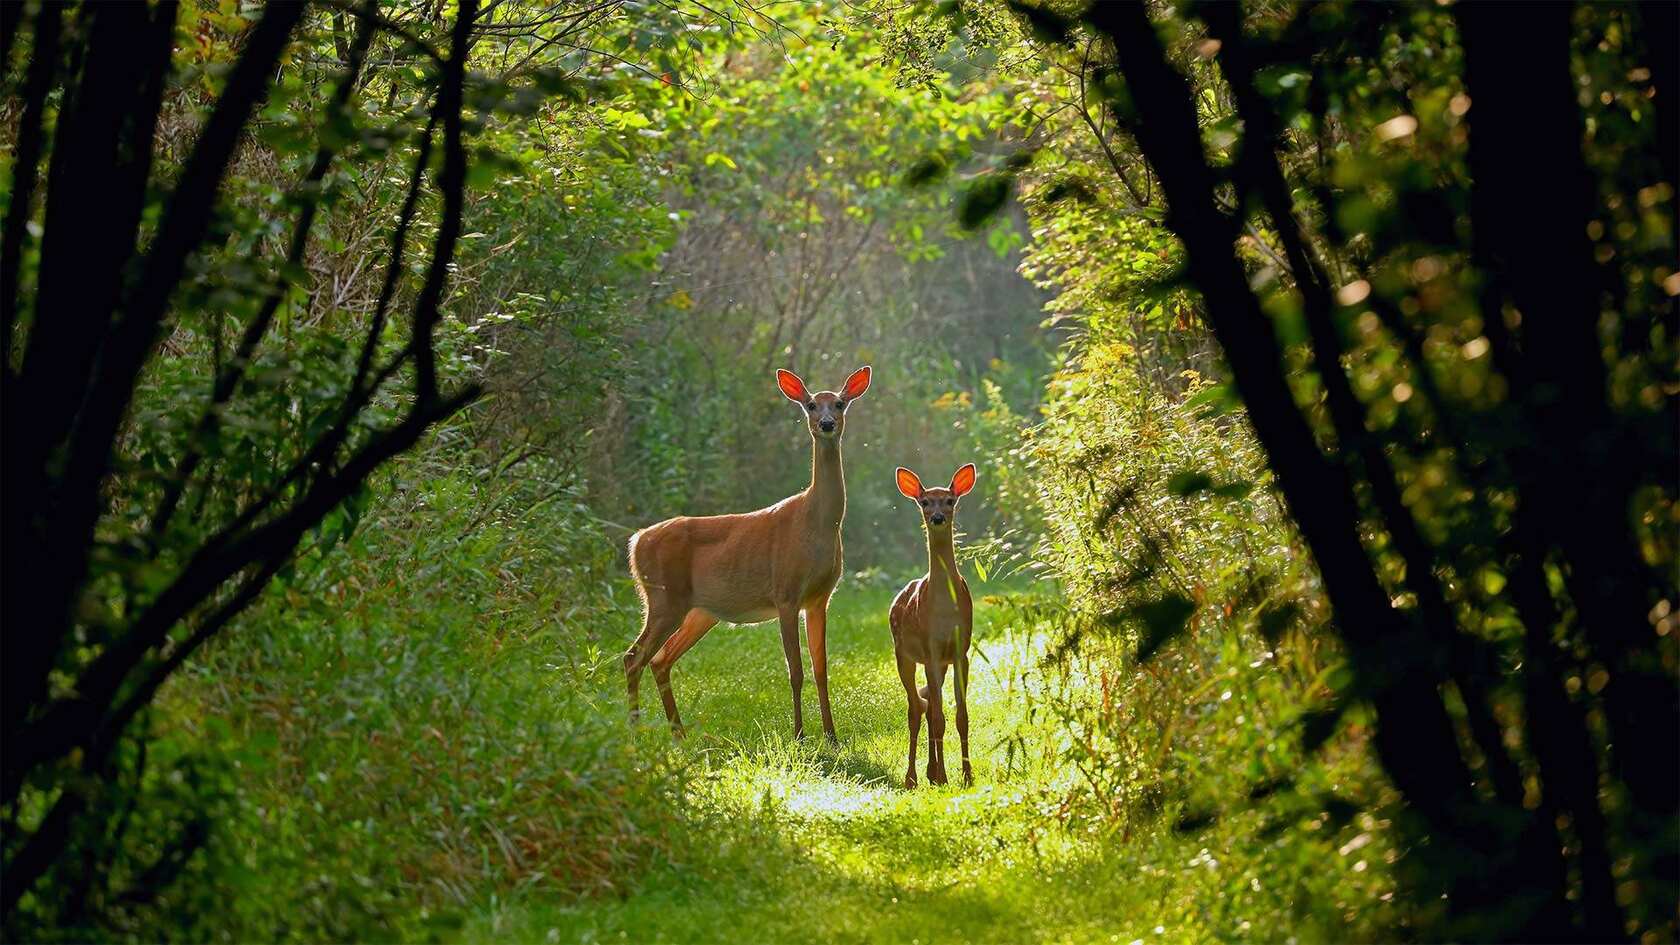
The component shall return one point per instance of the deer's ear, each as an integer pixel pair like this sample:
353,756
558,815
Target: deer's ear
792,387
857,383
908,483
963,481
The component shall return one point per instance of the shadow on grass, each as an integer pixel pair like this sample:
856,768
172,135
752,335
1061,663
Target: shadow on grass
854,765
758,873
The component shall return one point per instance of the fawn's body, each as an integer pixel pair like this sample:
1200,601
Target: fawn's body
932,622
694,571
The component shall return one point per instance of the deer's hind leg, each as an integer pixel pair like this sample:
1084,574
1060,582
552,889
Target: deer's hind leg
694,626
960,678
659,622
907,675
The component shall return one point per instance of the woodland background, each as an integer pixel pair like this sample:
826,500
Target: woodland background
1319,361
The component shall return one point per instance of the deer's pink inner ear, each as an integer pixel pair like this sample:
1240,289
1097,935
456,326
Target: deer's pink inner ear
909,484
963,480
857,383
792,387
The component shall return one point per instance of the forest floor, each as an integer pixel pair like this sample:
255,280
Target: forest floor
798,841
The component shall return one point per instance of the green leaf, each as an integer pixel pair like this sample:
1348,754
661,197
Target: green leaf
1318,725
1047,26
982,199
1188,482
1275,619
1162,620
1218,399
926,171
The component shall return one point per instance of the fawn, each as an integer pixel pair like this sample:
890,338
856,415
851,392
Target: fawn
932,622
693,571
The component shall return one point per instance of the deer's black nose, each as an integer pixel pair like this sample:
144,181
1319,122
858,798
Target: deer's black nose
938,519
827,425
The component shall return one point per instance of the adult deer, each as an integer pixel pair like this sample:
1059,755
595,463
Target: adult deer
692,571
932,622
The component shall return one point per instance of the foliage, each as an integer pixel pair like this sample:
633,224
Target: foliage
798,248
1379,283
1323,544
226,367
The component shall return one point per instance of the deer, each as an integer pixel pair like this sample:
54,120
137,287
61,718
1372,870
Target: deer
932,621
694,571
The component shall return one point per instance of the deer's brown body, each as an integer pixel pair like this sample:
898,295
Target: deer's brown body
932,621
774,563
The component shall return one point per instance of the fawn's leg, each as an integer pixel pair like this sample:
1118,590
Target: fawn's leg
660,621
936,721
816,637
907,675
694,626
795,665
960,674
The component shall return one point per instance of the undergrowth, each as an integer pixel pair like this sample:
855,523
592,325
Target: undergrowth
425,706
424,734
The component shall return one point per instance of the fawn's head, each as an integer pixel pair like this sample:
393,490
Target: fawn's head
939,506
825,411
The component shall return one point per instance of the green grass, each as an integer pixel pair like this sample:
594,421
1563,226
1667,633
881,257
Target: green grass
783,841
439,748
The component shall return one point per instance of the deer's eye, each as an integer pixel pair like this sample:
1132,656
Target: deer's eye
840,405
924,503
950,501
812,406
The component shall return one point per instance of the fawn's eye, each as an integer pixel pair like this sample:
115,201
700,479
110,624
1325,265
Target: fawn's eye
840,405
812,406
924,503
950,501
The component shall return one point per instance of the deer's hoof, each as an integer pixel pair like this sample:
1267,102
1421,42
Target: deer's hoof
968,775
832,739
936,775
910,781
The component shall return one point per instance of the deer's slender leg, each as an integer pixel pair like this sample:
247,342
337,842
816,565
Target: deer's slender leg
936,720
795,665
907,675
960,679
816,637
660,621
694,626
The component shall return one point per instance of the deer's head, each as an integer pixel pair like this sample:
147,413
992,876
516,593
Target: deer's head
939,505
825,411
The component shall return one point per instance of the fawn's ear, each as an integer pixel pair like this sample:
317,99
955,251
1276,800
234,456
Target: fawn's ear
908,483
792,387
857,383
963,481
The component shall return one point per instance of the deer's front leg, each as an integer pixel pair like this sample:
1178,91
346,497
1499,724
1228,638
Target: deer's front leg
907,675
795,667
936,720
816,636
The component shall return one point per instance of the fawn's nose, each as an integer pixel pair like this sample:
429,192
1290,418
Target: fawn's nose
827,424
939,518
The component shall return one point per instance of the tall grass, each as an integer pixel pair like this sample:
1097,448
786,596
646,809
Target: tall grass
428,701
419,733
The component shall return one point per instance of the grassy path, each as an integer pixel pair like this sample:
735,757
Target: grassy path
786,841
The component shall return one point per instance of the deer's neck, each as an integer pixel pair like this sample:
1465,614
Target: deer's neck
828,484
942,561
